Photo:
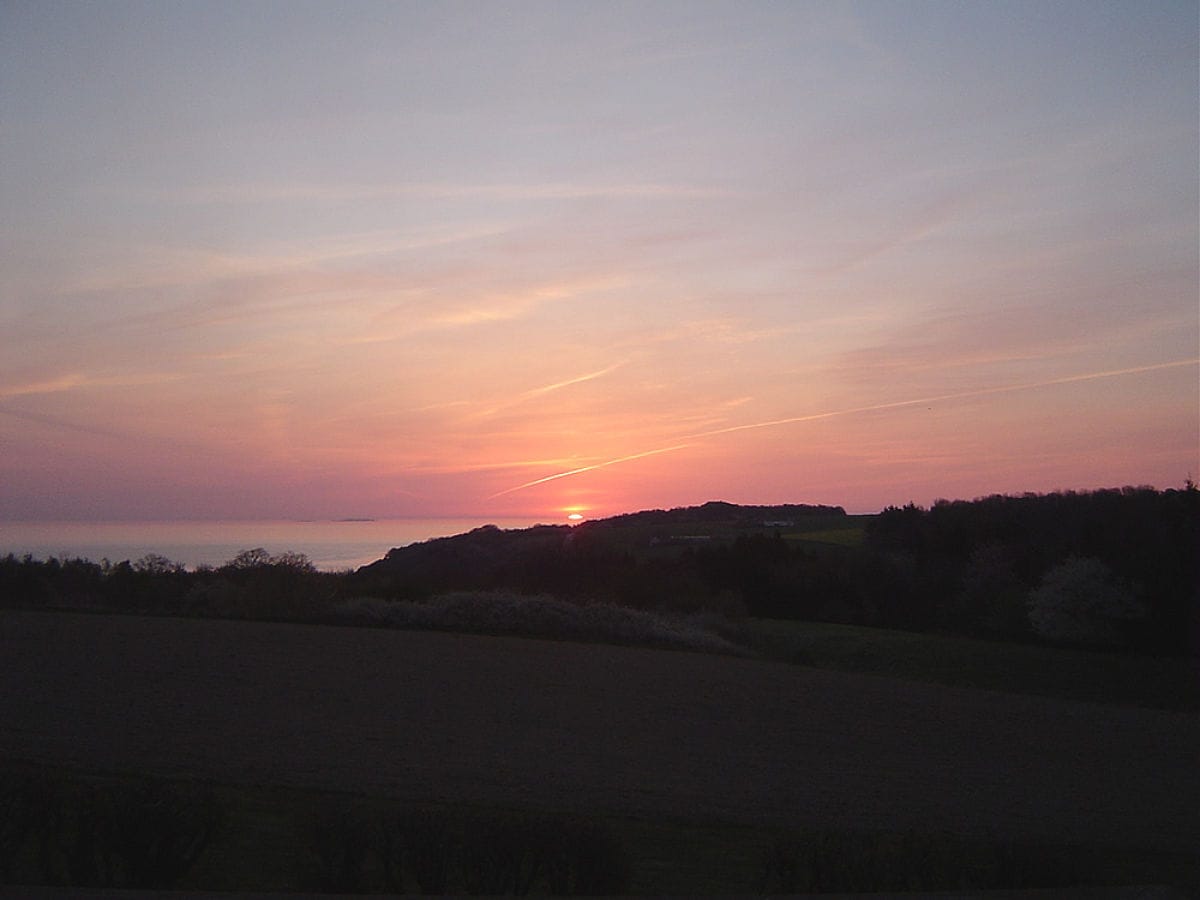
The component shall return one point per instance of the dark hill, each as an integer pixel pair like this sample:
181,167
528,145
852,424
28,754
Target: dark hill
974,567
470,560
597,559
719,512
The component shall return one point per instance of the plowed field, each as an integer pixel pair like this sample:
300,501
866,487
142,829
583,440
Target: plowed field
564,726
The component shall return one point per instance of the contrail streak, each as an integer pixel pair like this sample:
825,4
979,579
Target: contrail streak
579,379
960,395
582,469
549,388
791,420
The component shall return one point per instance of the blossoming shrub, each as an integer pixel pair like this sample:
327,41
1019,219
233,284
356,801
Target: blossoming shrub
1080,602
539,616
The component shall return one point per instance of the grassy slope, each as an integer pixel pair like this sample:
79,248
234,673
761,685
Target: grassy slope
1150,682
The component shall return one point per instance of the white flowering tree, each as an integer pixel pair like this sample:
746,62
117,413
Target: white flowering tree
1080,602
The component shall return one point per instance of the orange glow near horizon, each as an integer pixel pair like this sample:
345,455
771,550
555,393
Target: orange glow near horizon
954,407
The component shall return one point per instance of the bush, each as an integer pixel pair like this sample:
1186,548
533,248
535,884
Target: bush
1079,602
140,834
539,616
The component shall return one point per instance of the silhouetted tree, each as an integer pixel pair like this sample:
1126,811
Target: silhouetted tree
992,600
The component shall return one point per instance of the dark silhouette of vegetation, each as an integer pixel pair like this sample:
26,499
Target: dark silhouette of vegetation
1079,602
254,584
74,831
145,834
141,834
27,816
479,852
1001,567
823,862
1145,540
501,612
340,834
423,842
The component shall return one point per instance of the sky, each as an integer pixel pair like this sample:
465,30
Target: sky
306,260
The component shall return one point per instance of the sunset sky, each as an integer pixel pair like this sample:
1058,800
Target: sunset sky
298,260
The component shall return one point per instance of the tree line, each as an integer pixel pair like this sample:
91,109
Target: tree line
1117,568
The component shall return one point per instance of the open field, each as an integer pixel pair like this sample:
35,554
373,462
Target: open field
646,736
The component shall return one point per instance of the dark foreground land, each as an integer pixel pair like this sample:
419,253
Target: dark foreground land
708,743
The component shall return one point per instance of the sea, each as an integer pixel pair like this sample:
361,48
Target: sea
330,545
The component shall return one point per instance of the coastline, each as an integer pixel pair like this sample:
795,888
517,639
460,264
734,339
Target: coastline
331,545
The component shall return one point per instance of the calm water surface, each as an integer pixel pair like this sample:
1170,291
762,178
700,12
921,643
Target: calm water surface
330,545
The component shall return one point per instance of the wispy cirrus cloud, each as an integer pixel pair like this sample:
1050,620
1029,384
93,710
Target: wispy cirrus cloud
1018,330
167,267
318,192
79,381
920,224
456,300
63,424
